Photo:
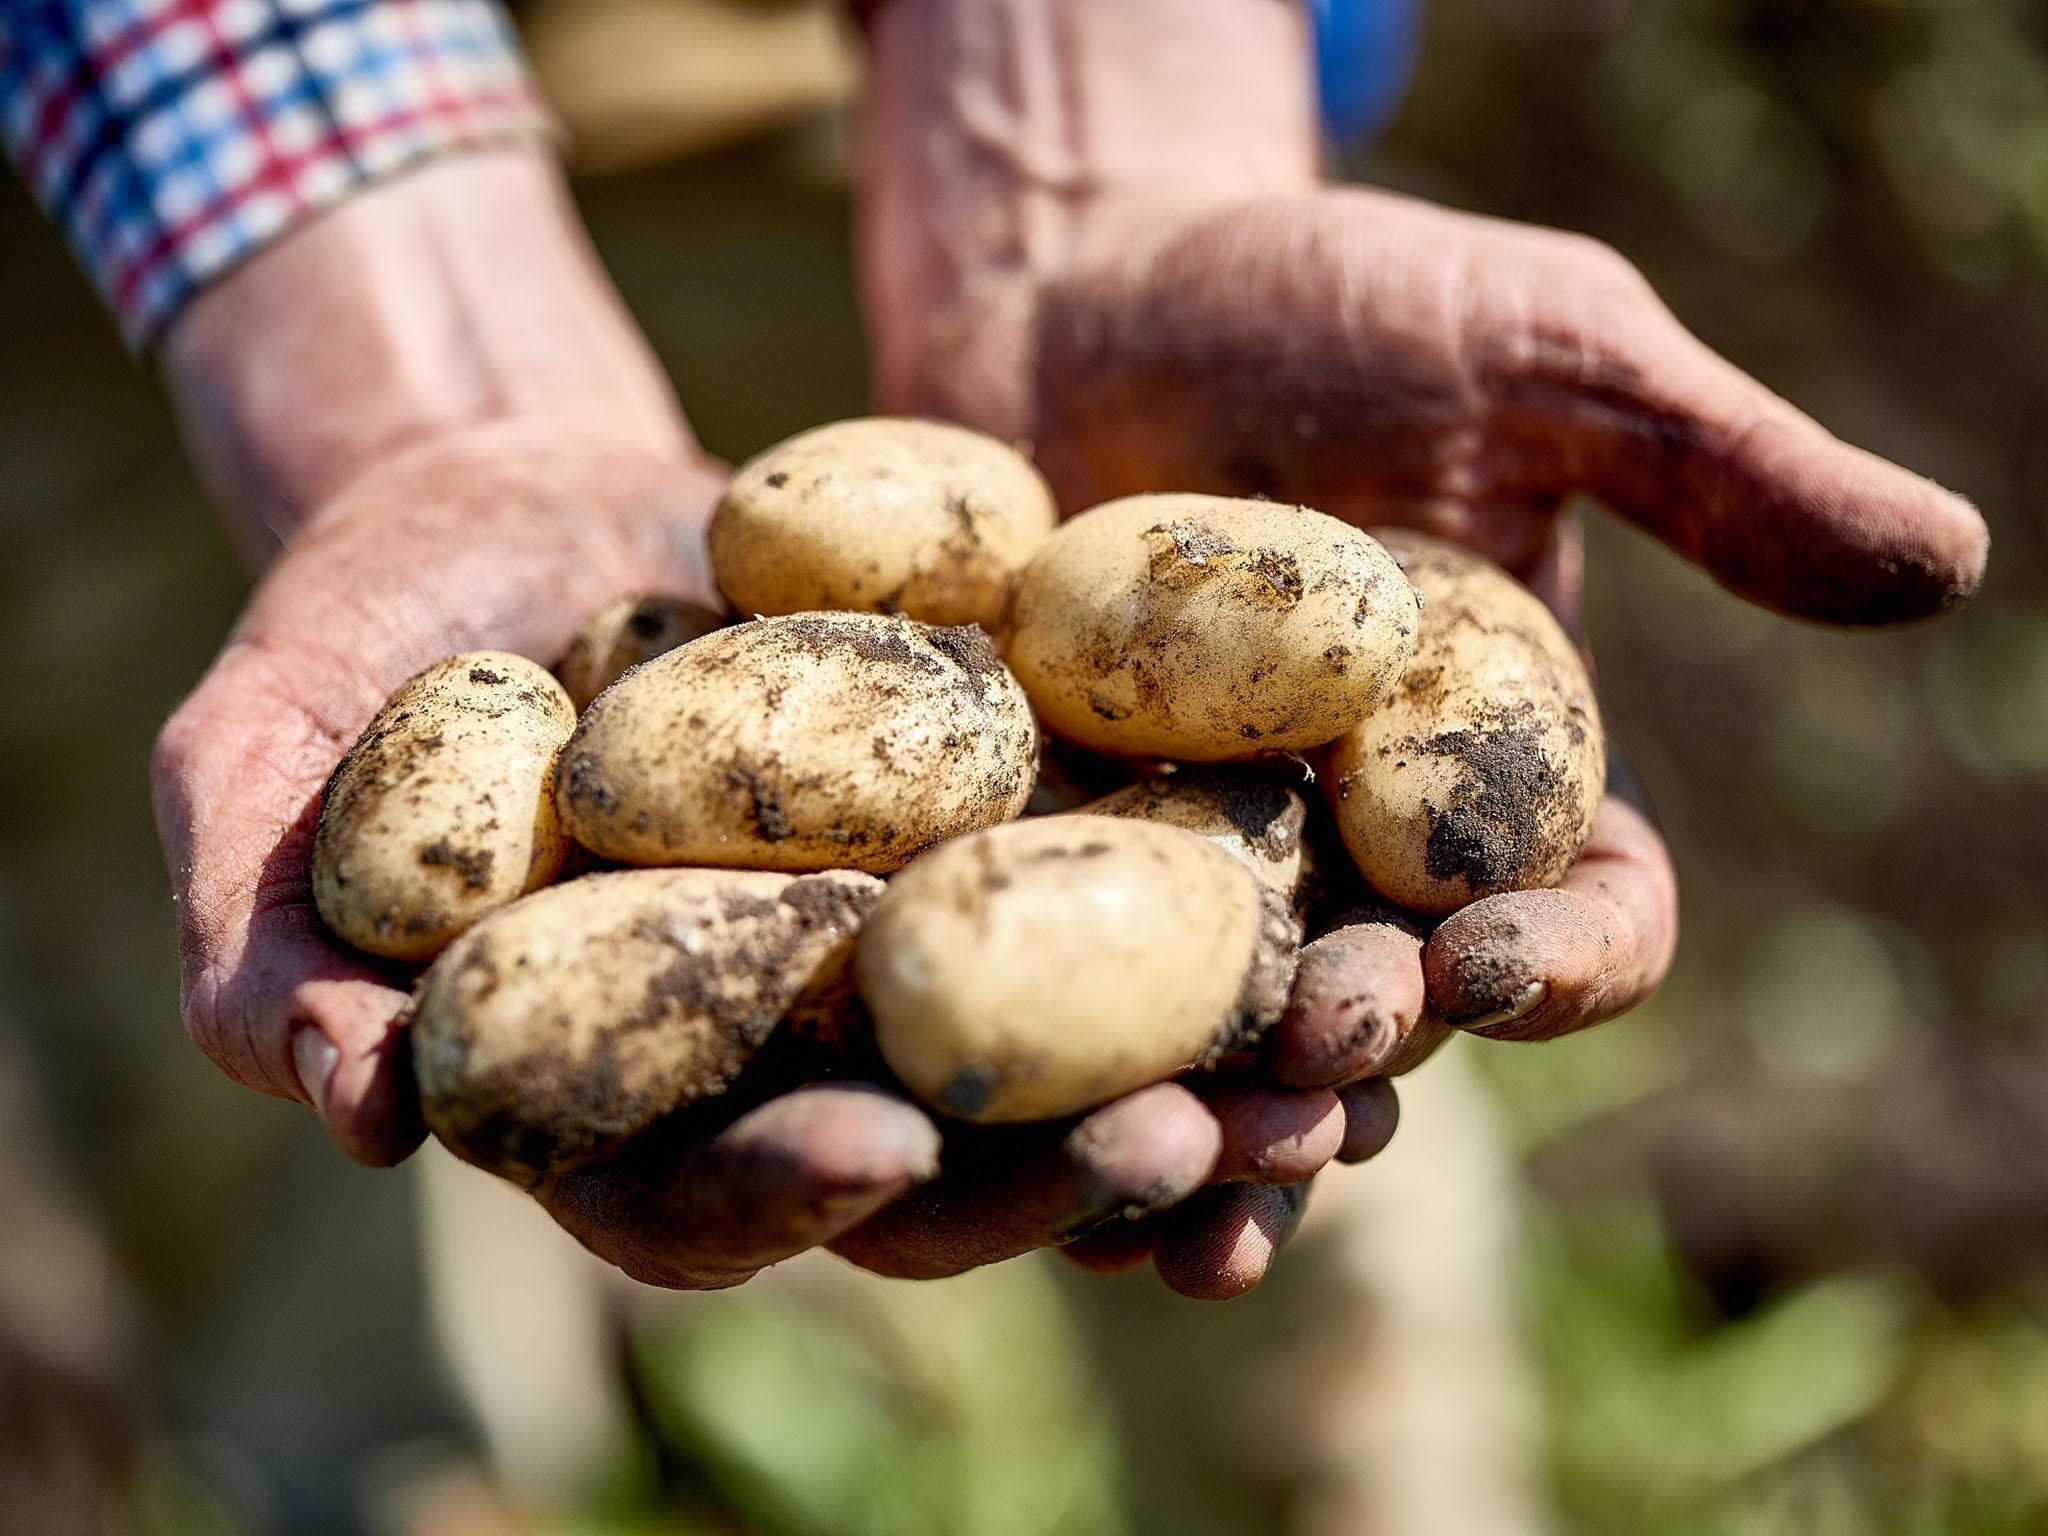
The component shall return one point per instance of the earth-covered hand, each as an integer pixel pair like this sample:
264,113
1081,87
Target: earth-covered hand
1389,361
1392,362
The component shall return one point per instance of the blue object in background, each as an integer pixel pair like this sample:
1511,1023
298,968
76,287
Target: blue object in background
1365,55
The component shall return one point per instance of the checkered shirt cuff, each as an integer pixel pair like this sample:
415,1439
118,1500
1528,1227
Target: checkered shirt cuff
172,139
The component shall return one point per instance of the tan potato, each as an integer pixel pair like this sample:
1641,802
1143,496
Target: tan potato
444,809
1260,819
1483,771
1204,628
883,515
623,633
1040,969
812,741
569,1021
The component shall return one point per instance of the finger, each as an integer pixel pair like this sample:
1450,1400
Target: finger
1115,1246
784,1177
1358,1006
1008,1190
1221,1243
1615,396
265,992
1372,1113
1272,1135
1532,965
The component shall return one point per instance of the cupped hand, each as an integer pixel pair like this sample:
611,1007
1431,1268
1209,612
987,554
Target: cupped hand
1391,362
501,537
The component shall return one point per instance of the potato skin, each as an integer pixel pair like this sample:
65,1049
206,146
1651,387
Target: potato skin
1253,815
881,515
1206,628
444,809
1040,969
810,741
569,1021
1482,773
623,633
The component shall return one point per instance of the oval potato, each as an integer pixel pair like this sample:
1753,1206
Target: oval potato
1040,969
569,1021
1205,628
623,633
1257,817
811,741
1483,772
881,515
444,809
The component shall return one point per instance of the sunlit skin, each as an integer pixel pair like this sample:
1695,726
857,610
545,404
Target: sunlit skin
432,403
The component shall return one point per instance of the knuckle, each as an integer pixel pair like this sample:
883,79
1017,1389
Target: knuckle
1607,265
177,740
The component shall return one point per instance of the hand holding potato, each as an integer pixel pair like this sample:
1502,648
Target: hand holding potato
1196,312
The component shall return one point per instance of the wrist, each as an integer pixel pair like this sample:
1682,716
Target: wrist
455,298
1008,138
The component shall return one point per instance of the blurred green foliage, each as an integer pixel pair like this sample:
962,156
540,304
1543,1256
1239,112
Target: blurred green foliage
980,1421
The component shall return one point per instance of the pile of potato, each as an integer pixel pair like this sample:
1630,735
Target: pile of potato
817,826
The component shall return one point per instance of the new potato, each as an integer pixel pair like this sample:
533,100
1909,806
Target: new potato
1040,969
569,1021
1260,819
810,741
443,810
1205,628
882,515
623,633
1482,773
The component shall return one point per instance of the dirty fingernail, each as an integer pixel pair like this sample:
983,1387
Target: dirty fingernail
1521,1004
314,1057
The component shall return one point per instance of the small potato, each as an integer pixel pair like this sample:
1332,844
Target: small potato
622,634
1204,628
1260,819
811,741
560,1026
444,809
1040,969
884,515
1483,771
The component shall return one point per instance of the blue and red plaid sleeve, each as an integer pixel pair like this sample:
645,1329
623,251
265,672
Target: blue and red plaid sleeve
173,138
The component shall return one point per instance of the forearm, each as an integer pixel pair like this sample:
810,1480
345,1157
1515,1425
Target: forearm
457,295
1001,135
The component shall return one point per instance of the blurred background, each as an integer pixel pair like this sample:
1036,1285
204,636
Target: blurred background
1772,1256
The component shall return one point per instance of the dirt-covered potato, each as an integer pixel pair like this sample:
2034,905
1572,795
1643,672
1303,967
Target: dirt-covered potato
882,515
1483,771
1253,815
1204,628
1043,968
811,741
444,809
623,633
560,1026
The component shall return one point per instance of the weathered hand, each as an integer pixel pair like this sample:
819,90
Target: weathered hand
1391,362
503,537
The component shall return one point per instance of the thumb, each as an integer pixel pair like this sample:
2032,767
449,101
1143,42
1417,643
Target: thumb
1621,400
266,994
